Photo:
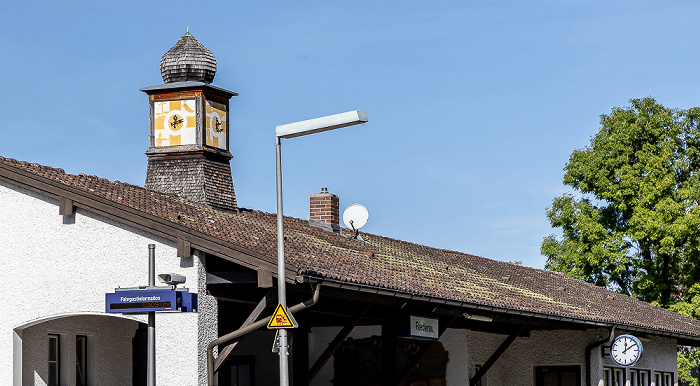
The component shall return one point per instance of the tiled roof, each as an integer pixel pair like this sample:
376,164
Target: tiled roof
384,263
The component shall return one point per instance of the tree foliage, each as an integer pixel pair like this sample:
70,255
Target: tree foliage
634,223
688,360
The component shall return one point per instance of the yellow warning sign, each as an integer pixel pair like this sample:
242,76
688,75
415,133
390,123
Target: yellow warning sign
282,318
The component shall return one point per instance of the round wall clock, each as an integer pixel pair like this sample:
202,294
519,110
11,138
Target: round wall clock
626,350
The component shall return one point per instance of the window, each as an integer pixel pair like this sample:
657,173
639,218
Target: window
614,376
240,373
54,364
663,378
558,376
668,379
80,360
639,377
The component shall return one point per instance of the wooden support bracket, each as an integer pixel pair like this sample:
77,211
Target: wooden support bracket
232,277
264,278
269,299
65,206
335,344
184,248
494,357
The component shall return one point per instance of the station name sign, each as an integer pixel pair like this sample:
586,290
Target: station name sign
422,327
148,300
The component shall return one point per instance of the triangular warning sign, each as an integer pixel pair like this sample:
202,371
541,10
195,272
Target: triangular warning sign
282,318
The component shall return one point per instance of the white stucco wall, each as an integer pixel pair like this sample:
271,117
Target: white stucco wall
558,348
61,265
543,348
455,342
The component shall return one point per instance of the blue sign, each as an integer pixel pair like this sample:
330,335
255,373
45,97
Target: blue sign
148,300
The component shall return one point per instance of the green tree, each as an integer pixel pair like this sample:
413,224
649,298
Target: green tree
633,224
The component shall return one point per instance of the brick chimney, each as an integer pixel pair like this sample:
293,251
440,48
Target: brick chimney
324,211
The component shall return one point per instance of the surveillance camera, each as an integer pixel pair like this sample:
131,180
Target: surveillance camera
172,278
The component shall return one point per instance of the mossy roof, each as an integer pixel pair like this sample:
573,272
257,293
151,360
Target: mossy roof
381,262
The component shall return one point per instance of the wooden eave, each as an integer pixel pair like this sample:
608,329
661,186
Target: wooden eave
144,221
189,86
546,320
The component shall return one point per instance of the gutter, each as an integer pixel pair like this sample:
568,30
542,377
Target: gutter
502,310
249,328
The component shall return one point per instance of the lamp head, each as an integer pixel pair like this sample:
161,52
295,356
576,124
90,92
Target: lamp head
317,125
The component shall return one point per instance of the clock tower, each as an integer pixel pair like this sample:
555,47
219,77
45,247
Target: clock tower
188,153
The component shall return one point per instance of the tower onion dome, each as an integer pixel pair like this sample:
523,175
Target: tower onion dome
187,60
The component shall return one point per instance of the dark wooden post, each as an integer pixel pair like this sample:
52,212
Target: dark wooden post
389,353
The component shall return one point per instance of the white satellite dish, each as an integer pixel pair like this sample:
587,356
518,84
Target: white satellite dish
355,217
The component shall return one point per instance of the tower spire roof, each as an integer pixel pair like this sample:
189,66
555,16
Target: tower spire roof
188,60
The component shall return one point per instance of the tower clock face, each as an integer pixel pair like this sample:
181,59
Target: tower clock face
175,122
626,350
216,125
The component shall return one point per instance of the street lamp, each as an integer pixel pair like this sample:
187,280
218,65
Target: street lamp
292,130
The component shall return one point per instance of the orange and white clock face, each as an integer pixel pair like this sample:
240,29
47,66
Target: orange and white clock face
175,123
216,125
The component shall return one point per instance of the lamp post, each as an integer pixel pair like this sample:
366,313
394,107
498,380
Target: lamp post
151,352
292,130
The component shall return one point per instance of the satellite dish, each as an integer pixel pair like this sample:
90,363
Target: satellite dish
355,217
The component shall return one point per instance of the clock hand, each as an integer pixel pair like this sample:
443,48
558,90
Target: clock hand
629,347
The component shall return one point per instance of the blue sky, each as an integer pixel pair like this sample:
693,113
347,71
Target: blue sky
474,106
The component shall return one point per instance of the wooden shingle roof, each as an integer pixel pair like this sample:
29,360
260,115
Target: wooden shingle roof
381,264
188,60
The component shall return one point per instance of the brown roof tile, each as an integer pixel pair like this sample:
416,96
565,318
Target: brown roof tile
383,262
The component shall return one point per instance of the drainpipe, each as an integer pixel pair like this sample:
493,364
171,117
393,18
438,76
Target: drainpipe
590,348
251,327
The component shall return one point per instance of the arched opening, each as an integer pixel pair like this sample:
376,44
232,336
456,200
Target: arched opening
82,349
